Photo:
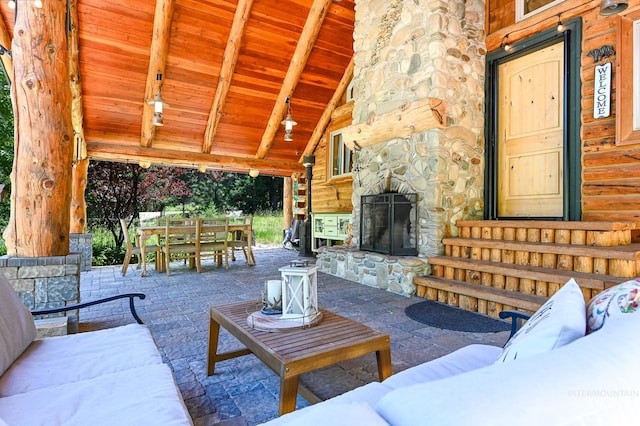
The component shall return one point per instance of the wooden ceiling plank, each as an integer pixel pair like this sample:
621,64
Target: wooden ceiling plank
157,63
165,157
305,44
229,60
326,115
5,41
77,117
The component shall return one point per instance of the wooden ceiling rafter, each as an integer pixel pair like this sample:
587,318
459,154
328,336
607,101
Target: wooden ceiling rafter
331,106
128,154
229,60
5,41
157,63
309,34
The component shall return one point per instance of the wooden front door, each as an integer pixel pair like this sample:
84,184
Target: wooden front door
530,134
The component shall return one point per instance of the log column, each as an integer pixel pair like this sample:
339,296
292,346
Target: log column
41,175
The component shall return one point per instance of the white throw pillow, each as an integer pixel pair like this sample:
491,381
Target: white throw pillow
561,320
17,329
592,381
613,304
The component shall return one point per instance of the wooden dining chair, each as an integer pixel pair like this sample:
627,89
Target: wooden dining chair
180,242
239,239
132,250
213,239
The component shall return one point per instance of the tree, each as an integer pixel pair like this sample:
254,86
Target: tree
6,150
111,194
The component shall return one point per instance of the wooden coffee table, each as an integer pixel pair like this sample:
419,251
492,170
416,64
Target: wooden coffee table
293,352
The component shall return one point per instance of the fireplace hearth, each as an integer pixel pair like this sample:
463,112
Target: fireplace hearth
388,223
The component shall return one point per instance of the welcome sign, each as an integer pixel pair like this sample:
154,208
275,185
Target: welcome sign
602,91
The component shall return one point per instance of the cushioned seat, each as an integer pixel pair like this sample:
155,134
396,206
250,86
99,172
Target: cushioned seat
139,396
66,359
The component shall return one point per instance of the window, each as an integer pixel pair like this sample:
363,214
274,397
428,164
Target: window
627,86
351,90
341,158
527,8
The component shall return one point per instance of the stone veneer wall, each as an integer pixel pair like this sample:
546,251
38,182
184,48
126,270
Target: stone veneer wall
409,50
46,282
82,243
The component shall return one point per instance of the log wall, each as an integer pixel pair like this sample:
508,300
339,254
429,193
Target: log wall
331,195
611,173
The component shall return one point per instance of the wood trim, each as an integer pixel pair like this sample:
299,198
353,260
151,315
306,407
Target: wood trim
5,41
229,60
306,41
625,91
157,63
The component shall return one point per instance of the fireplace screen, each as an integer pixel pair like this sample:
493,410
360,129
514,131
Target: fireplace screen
388,223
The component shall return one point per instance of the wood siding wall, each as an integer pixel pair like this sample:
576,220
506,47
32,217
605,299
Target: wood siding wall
611,173
331,195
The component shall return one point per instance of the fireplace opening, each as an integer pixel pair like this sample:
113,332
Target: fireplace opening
388,223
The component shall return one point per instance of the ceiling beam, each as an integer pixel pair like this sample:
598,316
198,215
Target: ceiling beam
326,115
157,64
129,154
5,41
229,60
312,26
77,117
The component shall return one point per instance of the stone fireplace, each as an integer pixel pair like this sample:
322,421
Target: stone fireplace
406,51
388,223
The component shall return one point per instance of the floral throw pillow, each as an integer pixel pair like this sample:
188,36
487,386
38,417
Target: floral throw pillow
613,304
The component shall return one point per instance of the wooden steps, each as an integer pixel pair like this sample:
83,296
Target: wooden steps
496,265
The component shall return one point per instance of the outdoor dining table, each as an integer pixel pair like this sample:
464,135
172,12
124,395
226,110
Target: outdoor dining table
143,233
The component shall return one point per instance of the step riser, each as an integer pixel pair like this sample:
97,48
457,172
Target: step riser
604,254
592,265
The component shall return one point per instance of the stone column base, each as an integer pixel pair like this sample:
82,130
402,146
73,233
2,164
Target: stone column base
391,273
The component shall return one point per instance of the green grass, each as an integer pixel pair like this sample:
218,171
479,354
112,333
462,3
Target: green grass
268,228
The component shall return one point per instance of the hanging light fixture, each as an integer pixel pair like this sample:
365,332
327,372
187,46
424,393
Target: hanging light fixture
288,122
611,7
158,103
560,27
254,172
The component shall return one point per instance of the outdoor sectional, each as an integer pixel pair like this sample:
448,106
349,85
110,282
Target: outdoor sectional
106,377
549,373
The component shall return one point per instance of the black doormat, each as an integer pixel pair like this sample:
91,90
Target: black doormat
448,317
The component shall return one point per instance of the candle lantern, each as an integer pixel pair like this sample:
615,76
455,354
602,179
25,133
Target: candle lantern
300,292
272,297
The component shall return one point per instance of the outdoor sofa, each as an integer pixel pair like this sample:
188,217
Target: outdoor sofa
107,377
549,373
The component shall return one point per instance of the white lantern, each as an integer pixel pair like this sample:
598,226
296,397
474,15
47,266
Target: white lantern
300,292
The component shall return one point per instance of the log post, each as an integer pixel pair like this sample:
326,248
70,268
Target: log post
287,202
41,175
78,224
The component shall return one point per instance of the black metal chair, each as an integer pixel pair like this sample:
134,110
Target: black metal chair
131,297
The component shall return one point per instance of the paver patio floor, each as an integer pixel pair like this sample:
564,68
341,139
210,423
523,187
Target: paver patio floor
244,391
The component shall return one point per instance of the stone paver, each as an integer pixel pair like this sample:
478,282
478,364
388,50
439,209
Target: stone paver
244,391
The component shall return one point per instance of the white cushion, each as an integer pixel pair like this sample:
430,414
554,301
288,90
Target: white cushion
65,359
140,396
17,329
340,414
560,321
613,304
464,359
590,381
